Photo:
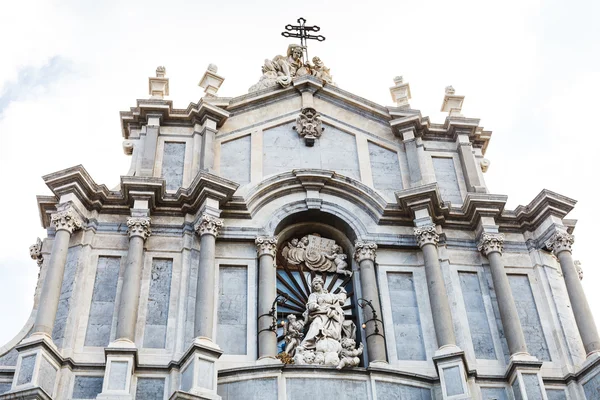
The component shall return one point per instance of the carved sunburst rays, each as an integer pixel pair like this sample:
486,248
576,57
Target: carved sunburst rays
296,285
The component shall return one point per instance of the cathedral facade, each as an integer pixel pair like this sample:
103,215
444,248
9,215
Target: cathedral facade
299,241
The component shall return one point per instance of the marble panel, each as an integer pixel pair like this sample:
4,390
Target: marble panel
5,387
529,317
532,387
445,174
87,387
26,370
118,375
235,160
66,292
47,376
385,169
103,302
557,394
313,388
187,378
397,391
158,303
516,387
191,297
405,316
489,288
173,164
232,309
453,381
493,394
9,359
481,335
206,374
150,389
251,389
592,388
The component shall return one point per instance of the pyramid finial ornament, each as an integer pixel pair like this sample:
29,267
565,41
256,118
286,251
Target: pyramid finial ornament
400,92
211,81
452,103
158,87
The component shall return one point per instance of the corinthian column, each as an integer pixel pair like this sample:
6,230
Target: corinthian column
491,245
427,239
560,244
266,247
65,222
364,254
207,228
139,231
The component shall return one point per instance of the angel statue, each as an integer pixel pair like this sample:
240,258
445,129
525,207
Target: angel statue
293,333
339,259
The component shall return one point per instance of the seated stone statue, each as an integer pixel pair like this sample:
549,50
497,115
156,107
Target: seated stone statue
282,69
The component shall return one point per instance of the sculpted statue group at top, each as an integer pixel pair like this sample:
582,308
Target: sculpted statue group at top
281,70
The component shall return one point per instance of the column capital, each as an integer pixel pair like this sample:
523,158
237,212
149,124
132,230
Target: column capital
560,241
139,226
66,220
426,235
266,245
491,242
208,225
364,251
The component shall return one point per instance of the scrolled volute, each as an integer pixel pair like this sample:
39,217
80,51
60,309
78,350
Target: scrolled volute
560,241
364,251
426,235
266,245
491,242
139,226
67,220
208,225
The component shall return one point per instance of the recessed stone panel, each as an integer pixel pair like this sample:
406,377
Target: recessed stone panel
150,389
118,375
453,381
250,389
87,387
47,376
159,296
314,388
397,391
103,302
493,394
385,169
445,174
232,312
173,164
5,387
531,383
26,370
592,388
479,327
560,394
235,159
66,292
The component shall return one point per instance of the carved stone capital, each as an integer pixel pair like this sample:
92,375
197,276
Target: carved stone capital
559,242
364,251
491,242
427,235
208,225
66,220
139,226
35,251
266,245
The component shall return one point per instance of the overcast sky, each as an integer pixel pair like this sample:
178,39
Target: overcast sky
529,69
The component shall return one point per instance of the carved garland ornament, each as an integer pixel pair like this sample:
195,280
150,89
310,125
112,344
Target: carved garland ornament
208,225
426,235
35,251
309,126
266,245
66,220
560,241
491,242
139,226
364,251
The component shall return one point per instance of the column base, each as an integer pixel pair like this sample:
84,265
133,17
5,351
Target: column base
121,360
198,371
451,366
37,370
525,379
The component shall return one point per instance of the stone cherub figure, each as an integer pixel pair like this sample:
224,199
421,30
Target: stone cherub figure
339,259
320,71
348,354
293,333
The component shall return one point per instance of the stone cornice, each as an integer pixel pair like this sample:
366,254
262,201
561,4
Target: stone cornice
78,182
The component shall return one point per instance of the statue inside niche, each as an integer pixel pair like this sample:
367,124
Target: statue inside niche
317,254
293,332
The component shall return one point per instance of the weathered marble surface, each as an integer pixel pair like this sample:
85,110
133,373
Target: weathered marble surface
447,180
232,315
532,387
5,387
150,389
397,391
251,389
87,387
235,160
173,164
10,358
490,288
26,370
453,381
103,302
118,375
559,394
494,394
385,169
483,343
191,296
313,388
592,388
66,296
405,316
155,333
187,378
47,376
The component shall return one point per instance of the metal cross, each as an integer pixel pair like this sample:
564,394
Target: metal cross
303,34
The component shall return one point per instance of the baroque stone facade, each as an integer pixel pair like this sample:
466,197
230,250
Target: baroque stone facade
301,241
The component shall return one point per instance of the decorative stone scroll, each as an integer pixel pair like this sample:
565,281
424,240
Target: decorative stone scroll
266,245
35,251
309,126
317,254
364,251
560,241
325,337
281,70
491,242
66,220
208,225
426,235
139,226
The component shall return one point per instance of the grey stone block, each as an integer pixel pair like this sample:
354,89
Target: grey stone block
158,303
191,296
592,388
481,334
26,370
405,316
118,375
5,387
172,164
445,174
385,169
235,159
187,378
206,373
232,310
9,359
103,302
493,394
66,292
87,387
150,389
557,394
532,387
251,389
453,381
313,388
47,376
396,391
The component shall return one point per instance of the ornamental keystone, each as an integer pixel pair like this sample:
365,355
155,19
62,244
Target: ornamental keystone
139,226
560,241
491,242
266,245
66,220
426,235
208,225
364,251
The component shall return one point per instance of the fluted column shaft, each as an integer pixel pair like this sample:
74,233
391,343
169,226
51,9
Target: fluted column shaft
208,228
427,239
364,255
139,231
267,291
492,245
65,222
561,244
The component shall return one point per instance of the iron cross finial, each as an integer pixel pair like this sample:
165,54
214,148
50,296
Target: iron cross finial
302,33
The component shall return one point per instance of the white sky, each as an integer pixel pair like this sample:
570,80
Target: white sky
529,69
